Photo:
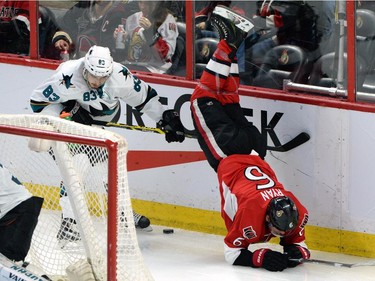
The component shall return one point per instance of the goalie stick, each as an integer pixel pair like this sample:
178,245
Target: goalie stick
293,143
334,263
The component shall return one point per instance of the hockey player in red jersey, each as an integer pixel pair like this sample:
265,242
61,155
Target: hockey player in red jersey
254,205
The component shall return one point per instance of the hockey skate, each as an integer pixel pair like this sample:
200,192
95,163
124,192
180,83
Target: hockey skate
232,27
141,222
68,232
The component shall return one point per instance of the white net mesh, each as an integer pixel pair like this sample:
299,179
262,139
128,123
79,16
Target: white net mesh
72,176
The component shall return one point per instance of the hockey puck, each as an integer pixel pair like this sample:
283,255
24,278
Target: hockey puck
168,231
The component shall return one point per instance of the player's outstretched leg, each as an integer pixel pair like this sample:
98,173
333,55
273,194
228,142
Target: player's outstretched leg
232,27
141,222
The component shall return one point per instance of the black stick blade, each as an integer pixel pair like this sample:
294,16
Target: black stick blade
297,141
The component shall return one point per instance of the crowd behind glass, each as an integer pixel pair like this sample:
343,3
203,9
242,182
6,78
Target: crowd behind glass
300,40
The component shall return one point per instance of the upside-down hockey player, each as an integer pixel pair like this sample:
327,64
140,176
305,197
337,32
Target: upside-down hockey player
254,205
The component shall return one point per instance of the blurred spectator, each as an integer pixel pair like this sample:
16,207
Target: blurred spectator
203,27
151,37
15,29
326,11
284,22
91,23
177,8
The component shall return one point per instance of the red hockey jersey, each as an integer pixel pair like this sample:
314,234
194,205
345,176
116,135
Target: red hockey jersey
247,184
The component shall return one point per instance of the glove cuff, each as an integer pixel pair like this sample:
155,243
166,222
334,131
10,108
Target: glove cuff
304,252
258,257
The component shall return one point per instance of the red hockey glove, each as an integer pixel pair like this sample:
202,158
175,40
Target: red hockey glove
270,260
296,252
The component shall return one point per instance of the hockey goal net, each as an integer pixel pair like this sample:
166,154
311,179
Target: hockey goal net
86,227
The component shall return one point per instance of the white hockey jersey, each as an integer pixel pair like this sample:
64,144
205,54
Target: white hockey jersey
68,84
12,192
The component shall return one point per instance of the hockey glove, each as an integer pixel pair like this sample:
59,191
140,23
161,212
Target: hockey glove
296,252
171,124
80,116
270,260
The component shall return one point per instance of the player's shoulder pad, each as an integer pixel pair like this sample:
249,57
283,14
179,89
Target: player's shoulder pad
120,70
71,66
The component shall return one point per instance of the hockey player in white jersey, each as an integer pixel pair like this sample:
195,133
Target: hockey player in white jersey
89,90
93,87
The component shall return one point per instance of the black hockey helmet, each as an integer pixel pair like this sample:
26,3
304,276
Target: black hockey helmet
283,213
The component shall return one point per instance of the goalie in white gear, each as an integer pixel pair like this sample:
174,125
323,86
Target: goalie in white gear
89,89
19,212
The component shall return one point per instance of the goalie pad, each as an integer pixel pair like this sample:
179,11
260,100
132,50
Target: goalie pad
17,228
80,271
40,145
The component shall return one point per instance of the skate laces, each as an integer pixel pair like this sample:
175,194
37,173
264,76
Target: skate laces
220,27
136,217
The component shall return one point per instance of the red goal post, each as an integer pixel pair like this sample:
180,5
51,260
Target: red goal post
46,153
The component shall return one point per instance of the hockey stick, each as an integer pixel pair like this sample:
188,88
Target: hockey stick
293,143
333,263
297,141
138,128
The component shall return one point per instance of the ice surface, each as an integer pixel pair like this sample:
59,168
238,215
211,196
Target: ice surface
192,256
